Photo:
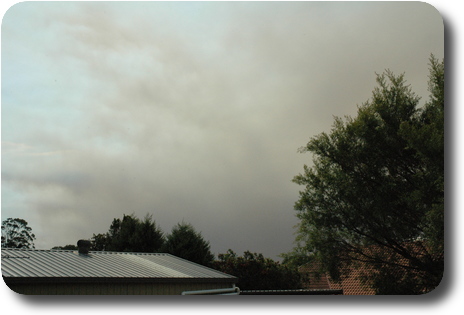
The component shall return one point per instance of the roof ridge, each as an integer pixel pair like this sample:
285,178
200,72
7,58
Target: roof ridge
127,253
73,250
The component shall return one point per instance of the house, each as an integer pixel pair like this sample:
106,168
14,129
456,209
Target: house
351,283
40,272
293,292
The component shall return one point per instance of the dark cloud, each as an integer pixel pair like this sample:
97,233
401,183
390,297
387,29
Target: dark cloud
191,112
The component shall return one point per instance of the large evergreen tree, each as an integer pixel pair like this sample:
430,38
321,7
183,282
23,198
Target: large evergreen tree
189,244
375,193
130,235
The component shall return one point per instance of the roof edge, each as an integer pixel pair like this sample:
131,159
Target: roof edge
95,280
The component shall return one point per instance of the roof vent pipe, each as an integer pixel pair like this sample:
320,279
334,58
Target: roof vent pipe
84,246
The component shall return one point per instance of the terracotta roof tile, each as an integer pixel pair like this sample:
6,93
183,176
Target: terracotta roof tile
351,283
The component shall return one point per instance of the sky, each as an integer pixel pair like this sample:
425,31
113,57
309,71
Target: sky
190,112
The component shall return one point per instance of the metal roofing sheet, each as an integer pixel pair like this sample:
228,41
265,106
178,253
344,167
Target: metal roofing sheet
62,263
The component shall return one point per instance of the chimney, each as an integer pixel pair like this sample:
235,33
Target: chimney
84,246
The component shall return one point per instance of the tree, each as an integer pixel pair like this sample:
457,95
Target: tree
17,234
99,242
426,135
130,235
189,244
146,230
375,192
299,256
258,273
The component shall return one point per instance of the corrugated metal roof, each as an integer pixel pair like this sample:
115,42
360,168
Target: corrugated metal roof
24,263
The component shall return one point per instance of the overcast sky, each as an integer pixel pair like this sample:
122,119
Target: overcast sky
187,111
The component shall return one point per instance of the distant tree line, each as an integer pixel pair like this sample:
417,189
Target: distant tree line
255,272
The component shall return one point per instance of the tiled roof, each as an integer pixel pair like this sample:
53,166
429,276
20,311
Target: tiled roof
350,283
292,292
317,281
21,263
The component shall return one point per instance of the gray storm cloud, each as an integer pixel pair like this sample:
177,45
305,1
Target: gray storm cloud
188,112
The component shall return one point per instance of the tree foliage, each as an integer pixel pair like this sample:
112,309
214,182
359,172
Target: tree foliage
189,244
377,181
299,256
17,234
130,235
258,273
